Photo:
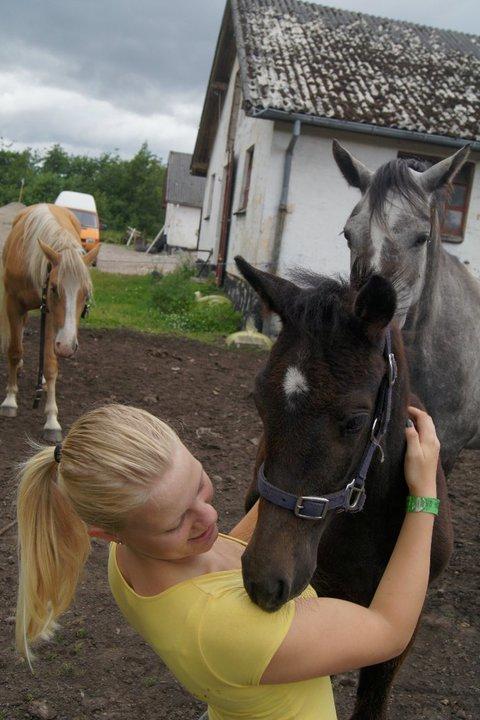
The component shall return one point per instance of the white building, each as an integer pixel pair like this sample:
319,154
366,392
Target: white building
183,202
287,78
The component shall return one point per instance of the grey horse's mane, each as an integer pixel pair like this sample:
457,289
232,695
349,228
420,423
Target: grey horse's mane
395,176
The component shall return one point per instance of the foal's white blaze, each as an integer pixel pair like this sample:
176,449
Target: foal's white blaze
294,382
67,335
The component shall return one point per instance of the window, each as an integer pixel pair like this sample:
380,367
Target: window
211,188
247,174
456,205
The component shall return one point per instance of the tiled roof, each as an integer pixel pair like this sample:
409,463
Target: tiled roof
182,188
303,58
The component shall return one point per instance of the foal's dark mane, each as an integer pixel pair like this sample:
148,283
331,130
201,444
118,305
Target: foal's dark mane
395,176
324,301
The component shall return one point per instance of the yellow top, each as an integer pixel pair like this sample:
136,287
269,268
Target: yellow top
218,644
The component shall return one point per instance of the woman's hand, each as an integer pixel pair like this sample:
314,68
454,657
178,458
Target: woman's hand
421,458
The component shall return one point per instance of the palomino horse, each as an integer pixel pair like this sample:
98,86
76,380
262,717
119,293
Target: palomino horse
43,253
318,398
395,230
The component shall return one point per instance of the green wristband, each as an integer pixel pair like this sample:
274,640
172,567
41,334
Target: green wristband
423,504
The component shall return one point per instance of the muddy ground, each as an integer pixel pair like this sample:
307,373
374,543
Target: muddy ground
96,667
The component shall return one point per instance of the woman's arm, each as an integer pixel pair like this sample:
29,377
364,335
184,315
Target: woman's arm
243,530
330,636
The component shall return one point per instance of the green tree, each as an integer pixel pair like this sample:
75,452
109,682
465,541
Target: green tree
127,192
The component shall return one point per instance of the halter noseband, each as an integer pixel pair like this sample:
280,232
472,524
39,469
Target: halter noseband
352,497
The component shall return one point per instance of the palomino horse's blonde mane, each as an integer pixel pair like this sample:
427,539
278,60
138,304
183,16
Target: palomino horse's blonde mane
41,224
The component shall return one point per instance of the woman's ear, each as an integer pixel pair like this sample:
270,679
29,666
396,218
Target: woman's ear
98,532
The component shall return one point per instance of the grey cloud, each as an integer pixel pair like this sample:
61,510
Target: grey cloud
138,55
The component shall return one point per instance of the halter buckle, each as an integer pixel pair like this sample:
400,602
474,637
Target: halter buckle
354,497
299,507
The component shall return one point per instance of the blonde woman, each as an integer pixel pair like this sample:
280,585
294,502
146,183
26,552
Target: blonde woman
124,476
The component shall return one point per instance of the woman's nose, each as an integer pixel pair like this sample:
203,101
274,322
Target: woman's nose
207,515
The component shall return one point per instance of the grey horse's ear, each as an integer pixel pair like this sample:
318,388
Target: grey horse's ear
276,293
444,171
354,172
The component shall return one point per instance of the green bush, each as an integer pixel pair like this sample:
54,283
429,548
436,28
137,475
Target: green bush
174,296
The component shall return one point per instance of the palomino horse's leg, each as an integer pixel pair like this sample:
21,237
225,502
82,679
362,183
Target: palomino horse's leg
374,687
52,431
16,320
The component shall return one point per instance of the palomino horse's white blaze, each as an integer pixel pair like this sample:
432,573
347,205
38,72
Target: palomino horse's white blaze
66,337
294,382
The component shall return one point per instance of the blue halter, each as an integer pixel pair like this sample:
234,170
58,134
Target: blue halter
352,498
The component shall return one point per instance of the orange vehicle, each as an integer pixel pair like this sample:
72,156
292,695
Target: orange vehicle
84,207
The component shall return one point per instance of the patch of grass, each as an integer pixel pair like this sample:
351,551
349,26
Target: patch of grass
166,305
113,236
67,669
149,681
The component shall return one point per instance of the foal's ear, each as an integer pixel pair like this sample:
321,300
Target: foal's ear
275,292
354,172
444,171
51,254
375,305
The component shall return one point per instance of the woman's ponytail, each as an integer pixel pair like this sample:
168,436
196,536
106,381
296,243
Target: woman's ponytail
53,547
109,461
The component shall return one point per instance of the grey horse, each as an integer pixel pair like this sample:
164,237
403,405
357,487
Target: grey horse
395,230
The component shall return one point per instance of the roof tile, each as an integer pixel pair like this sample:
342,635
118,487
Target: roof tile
316,60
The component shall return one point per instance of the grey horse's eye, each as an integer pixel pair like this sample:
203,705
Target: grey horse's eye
347,236
422,239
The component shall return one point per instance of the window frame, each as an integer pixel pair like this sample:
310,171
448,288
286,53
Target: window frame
469,169
246,180
211,189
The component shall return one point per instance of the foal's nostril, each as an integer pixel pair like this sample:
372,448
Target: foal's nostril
269,594
282,592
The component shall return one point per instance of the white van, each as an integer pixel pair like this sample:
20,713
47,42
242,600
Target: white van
83,206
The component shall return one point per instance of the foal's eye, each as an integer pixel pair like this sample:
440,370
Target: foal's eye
422,239
354,424
54,290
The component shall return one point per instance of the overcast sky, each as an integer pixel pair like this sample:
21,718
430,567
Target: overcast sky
106,75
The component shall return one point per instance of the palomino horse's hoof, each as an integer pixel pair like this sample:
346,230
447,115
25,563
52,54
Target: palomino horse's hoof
6,411
52,436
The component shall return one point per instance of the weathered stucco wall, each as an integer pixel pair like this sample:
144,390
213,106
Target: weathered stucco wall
181,225
248,233
212,216
320,199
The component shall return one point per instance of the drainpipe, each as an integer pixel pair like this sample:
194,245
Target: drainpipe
283,207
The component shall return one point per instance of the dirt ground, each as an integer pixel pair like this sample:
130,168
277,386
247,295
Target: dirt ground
96,667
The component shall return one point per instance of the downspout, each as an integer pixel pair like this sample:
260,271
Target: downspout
283,206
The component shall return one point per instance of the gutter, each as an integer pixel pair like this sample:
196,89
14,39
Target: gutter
283,206
364,128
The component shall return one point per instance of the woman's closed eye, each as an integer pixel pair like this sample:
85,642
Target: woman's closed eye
180,522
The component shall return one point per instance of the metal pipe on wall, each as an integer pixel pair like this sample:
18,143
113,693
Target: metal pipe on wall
283,206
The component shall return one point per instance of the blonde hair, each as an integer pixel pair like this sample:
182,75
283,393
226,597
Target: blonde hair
109,459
